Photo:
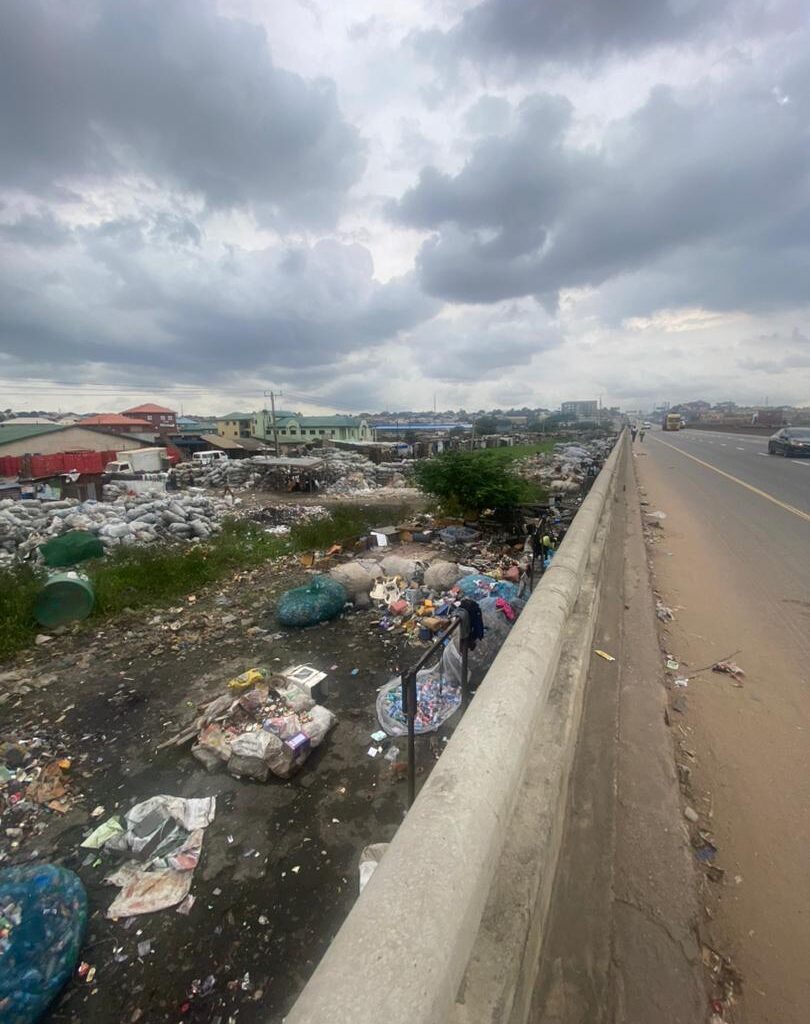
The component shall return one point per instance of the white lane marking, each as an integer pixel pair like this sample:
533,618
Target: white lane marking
741,449
723,444
766,454
804,465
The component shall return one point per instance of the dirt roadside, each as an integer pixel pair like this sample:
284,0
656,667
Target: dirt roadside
745,748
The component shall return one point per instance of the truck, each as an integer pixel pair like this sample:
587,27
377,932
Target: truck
137,462
672,421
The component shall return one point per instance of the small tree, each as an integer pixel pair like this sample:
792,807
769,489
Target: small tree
486,425
469,482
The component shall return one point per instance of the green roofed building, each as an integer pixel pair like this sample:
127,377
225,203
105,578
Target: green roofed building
294,429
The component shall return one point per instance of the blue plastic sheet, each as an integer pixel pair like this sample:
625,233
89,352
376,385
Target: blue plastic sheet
43,914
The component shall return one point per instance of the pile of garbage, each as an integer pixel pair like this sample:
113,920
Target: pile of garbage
346,472
564,470
341,472
266,723
129,519
279,518
36,782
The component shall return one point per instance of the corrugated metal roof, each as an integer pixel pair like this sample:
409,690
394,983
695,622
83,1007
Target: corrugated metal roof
236,416
324,421
19,431
225,443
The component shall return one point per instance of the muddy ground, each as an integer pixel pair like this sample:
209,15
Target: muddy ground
278,872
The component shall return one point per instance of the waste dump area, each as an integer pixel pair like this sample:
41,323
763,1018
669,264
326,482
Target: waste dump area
215,773
128,519
333,472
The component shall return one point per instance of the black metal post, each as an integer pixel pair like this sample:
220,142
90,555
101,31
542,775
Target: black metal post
409,707
410,703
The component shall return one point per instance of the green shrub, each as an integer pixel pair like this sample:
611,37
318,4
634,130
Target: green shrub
469,482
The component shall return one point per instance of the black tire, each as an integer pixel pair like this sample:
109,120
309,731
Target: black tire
771,449
788,452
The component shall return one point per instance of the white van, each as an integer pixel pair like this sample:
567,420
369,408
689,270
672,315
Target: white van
208,458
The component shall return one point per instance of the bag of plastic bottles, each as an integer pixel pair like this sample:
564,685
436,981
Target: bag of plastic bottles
318,601
43,914
438,696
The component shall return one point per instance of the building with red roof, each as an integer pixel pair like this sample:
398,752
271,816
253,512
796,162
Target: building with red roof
118,424
158,416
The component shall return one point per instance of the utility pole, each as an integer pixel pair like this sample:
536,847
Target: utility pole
272,395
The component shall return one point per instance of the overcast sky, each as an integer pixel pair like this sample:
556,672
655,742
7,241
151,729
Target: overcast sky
367,205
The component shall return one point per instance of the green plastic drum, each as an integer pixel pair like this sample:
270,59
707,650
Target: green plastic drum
66,597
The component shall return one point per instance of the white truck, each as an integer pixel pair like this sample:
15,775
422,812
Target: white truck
138,462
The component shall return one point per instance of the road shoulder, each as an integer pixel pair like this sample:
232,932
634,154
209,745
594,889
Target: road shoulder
622,938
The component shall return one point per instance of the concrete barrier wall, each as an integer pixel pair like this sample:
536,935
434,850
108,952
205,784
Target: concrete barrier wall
405,949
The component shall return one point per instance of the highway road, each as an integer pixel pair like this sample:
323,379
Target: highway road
733,561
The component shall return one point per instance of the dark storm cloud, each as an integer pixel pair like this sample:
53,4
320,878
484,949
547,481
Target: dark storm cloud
705,187
510,33
145,296
171,91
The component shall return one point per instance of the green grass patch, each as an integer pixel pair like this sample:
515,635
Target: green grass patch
140,576
19,587
504,456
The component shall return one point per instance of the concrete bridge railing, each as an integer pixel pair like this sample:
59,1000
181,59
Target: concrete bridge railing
450,926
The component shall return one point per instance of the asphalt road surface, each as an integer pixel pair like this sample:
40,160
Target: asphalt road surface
733,561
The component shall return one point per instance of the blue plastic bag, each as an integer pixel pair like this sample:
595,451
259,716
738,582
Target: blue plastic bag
479,586
43,914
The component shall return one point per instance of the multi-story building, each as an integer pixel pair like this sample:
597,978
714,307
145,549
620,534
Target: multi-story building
236,424
581,410
295,429
159,416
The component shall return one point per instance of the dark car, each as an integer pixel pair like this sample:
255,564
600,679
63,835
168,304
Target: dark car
790,441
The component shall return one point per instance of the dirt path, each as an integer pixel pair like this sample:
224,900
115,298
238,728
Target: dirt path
748,746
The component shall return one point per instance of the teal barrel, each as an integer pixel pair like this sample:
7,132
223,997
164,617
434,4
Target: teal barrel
65,597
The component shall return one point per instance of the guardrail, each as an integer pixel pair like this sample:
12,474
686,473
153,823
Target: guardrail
403,950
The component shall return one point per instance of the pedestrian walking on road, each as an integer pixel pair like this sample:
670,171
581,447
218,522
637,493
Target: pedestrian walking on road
633,432
641,435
